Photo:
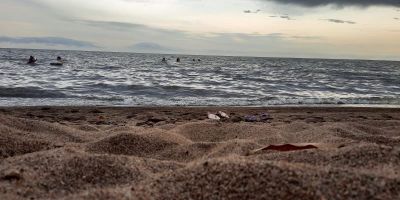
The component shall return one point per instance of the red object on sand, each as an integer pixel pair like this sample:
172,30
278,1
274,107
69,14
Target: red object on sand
289,147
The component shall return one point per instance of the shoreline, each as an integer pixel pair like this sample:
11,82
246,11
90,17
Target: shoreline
386,106
328,106
170,115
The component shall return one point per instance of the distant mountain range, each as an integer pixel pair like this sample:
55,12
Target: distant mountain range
150,47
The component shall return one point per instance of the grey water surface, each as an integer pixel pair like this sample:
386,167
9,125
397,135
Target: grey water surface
128,79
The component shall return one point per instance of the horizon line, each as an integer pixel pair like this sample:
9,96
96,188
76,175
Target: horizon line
216,55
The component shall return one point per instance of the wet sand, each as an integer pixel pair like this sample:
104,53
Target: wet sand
177,153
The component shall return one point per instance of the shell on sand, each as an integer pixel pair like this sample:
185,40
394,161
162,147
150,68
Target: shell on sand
222,114
213,116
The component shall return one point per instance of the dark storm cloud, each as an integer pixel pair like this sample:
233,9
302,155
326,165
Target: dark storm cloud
339,21
50,41
313,3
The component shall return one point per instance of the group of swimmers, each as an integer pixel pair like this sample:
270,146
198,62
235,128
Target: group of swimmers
179,60
32,60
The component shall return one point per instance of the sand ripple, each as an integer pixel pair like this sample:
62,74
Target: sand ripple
351,158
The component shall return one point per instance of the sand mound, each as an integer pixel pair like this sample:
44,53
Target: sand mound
88,128
80,173
103,194
33,129
309,135
272,138
363,134
13,146
374,159
187,153
366,156
144,145
215,179
293,127
240,179
66,171
233,147
125,129
213,132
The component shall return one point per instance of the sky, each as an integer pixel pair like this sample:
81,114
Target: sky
359,29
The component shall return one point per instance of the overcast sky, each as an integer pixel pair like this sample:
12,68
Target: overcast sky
366,29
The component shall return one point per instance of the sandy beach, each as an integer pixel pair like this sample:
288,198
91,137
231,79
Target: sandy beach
178,153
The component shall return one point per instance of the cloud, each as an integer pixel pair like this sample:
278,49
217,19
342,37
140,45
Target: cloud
341,3
110,24
148,39
276,37
249,11
285,16
339,21
131,27
50,41
305,37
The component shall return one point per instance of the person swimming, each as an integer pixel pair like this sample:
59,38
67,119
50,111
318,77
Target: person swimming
178,60
59,62
164,59
32,60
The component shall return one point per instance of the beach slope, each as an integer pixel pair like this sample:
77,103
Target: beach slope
178,153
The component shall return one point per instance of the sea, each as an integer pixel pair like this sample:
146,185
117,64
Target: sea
130,79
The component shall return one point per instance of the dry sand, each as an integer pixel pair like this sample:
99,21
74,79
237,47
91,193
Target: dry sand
177,153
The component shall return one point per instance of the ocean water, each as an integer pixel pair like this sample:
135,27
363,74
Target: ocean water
127,79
